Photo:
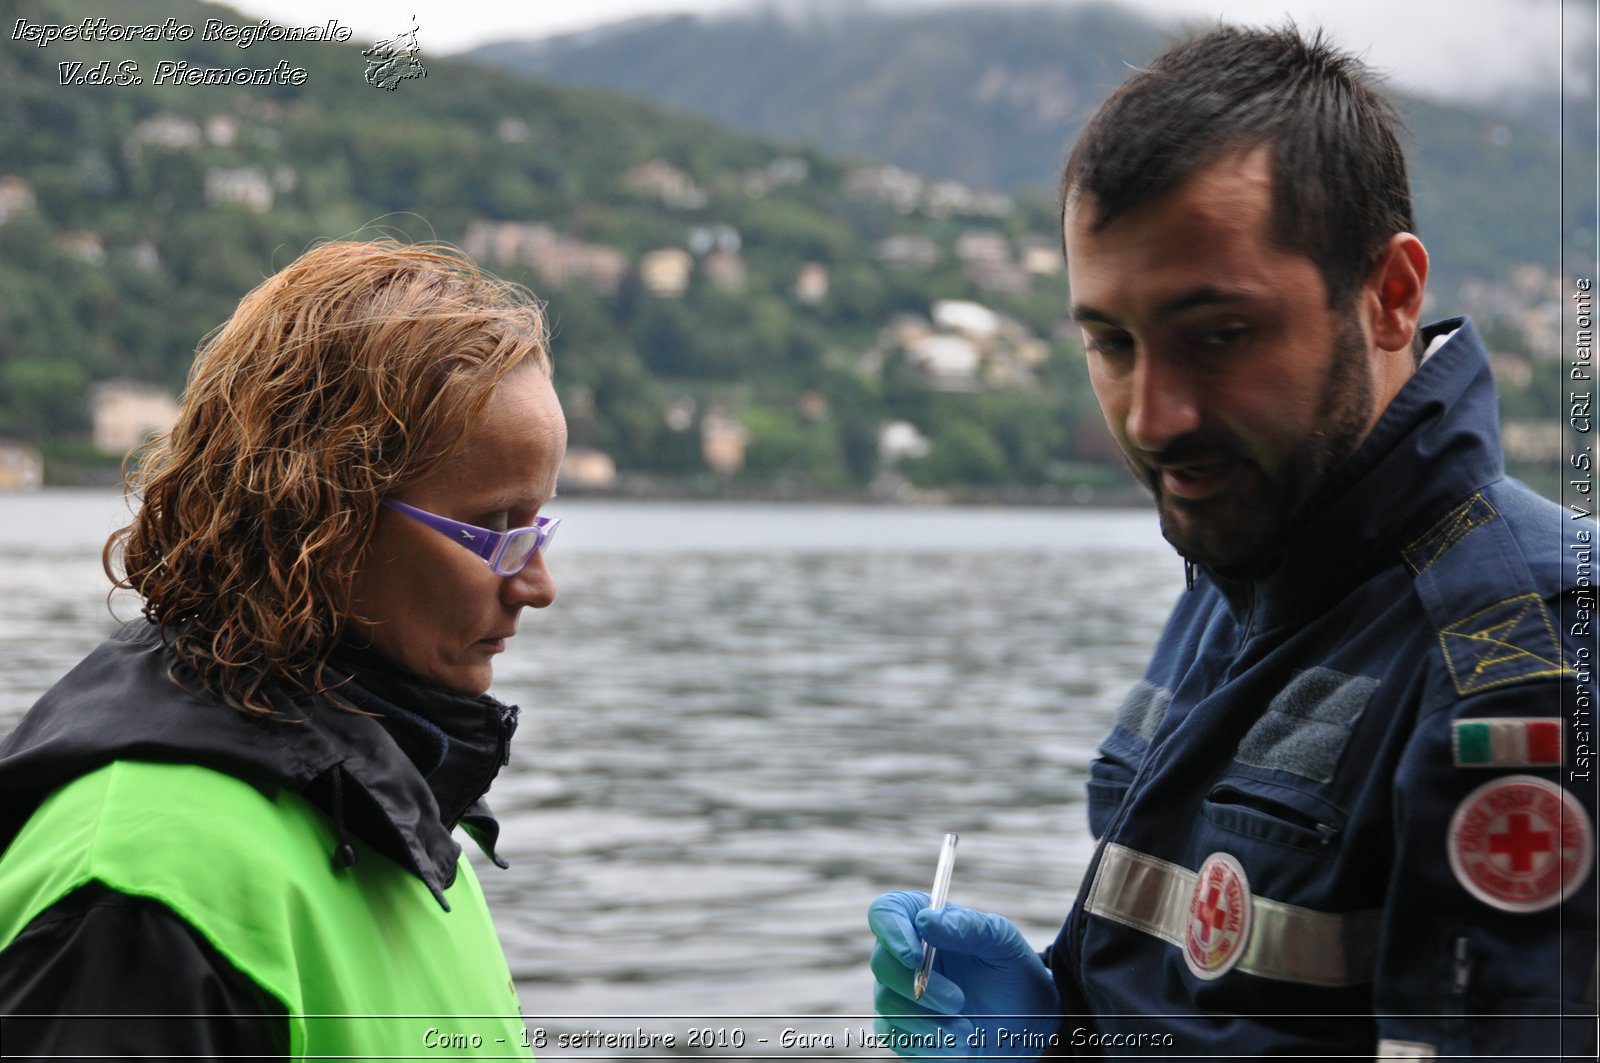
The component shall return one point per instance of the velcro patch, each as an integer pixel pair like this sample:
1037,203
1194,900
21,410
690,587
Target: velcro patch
1508,642
1142,710
1308,723
1507,742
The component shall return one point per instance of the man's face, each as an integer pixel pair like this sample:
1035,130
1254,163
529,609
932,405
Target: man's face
1231,387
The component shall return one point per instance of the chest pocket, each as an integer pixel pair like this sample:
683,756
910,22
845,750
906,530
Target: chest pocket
1269,812
1302,736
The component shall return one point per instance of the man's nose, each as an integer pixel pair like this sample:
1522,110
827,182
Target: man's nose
1163,406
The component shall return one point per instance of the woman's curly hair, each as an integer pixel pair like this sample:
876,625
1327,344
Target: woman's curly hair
355,370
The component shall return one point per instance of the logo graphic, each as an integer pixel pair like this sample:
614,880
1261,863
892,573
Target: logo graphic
1520,844
1219,918
395,60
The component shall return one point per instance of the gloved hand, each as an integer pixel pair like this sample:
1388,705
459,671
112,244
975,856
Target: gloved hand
989,994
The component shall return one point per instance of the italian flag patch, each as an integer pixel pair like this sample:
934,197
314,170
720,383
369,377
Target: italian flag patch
1503,742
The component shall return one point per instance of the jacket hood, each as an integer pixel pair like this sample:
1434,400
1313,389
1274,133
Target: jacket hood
399,772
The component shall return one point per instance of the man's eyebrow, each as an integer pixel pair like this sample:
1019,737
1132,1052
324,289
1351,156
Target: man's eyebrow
1178,304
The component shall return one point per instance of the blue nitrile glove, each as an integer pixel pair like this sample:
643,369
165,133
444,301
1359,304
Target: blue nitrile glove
989,994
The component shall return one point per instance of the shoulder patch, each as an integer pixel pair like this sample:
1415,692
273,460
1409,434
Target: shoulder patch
1512,640
1456,525
1507,742
1520,844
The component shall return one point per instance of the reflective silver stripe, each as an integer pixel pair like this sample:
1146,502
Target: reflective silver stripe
1287,943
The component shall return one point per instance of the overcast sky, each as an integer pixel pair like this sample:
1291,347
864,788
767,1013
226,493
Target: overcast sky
1459,48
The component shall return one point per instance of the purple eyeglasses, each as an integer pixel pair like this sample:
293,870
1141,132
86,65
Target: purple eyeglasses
506,552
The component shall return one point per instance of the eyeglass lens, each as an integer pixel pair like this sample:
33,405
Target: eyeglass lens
520,548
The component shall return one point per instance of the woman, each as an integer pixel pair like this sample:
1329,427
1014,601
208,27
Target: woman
241,806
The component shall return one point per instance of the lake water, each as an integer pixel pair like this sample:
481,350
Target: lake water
740,724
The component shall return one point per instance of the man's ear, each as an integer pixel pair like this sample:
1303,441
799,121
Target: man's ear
1394,291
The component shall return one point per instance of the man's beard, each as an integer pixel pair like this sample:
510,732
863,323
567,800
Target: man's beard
1238,531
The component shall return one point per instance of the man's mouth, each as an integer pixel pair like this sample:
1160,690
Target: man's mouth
1196,481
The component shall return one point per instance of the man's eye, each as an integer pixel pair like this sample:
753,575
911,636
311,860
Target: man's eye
497,521
1226,336
1109,346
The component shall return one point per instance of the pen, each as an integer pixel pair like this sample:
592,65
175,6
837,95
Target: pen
941,890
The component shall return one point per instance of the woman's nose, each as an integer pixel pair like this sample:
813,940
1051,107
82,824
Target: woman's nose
533,586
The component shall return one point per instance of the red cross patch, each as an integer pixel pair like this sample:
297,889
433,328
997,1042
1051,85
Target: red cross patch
1520,844
1219,917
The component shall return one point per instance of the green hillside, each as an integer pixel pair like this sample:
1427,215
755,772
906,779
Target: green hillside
140,233
732,314
992,95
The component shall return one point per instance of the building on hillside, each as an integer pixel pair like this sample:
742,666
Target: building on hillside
987,263
666,182
21,466
811,284
907,251
901,189
83,246
1040,256
665,272
704,239
222,130
558,258
166,130
783,170
726,270
966,317
901,441
722,442
248,187
946,199
983,245
16,196
947,362
585,468
1533,442
126,413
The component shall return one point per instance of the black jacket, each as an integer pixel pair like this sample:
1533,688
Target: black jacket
399,773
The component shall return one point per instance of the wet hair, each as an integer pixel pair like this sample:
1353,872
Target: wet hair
352,372
1339,184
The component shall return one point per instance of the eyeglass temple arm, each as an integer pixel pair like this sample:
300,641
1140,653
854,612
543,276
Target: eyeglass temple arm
481,541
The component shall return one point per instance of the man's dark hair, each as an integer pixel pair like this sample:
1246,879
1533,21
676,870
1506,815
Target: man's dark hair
1339,185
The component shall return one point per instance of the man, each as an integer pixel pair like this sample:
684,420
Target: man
1333,817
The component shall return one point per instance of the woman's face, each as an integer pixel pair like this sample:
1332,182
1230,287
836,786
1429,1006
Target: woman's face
432,605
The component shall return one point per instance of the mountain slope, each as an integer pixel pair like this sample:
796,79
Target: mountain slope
993,95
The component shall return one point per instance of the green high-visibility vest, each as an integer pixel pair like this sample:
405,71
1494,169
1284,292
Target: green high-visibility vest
364,960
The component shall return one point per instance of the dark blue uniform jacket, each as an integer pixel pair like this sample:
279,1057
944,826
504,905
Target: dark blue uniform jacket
1350,807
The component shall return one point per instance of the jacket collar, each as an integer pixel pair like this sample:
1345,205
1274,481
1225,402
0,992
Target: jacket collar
457,742
1435,443
399,772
